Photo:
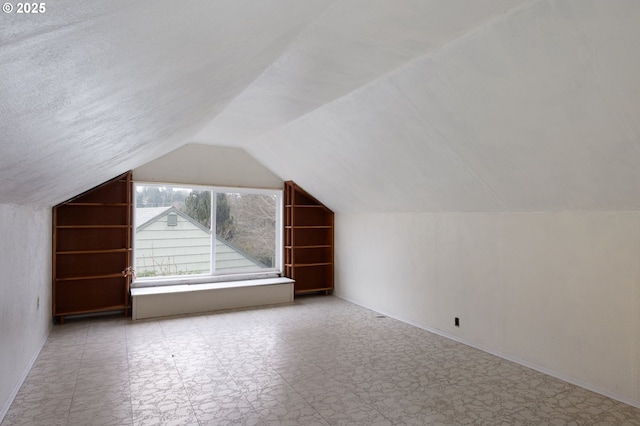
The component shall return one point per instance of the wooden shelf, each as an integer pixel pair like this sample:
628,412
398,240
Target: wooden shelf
308,245
304,265
92,226
89,277
98,204
92,236
120,250
309,227
96,310
314,290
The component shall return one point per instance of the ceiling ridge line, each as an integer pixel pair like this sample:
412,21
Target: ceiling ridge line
522,5
612,99
448,146
285,50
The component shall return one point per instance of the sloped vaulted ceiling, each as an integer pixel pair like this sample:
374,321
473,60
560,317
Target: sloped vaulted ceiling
536,109
90,89
432,105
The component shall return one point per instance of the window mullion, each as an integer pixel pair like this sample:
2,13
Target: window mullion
214,202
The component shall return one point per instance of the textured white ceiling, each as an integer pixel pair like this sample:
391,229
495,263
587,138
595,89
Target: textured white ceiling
353,43
91,89
535,110
411,105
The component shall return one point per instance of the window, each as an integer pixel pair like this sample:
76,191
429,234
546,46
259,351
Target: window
191,233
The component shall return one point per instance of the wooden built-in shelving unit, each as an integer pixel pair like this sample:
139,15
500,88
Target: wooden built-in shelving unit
91,249
308,235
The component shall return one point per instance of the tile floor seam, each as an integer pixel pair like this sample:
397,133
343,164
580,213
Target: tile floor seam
193,408
327,420
308,402
130,400
73,395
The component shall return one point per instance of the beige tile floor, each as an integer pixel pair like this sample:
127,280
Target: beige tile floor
319,361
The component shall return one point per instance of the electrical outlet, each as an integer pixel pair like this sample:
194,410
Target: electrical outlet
456,322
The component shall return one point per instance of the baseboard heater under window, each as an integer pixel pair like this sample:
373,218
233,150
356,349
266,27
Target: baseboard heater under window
181,299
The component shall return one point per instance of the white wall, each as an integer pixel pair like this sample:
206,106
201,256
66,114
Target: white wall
25,262
557,291
208,165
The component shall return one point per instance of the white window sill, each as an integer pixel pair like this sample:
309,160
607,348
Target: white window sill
184,288
202,279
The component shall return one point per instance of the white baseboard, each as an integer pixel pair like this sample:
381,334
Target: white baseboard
549,372
23,377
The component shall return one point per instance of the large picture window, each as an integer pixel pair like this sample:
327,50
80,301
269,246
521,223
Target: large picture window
193,232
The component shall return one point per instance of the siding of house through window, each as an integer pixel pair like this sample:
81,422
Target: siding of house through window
181,249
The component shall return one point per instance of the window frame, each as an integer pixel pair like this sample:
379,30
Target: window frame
276,271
